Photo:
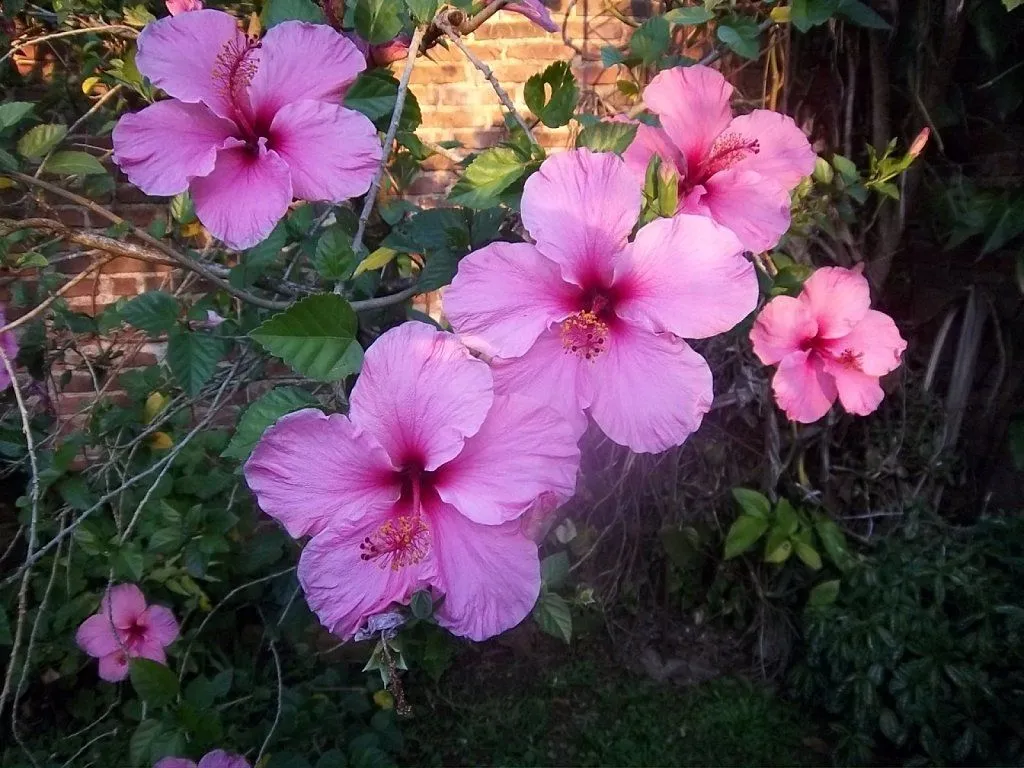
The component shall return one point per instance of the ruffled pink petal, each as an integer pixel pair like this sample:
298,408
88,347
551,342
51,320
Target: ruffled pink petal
310,470
96,636
754,208
651,391
175,762
389,52
837,298
535,11
504,296
114,667
166,145
686,275
221,759
244,197
693,105
185,56
802,388
579,208
549,374
9,344
784,154
332,152
489,574
174,7
874,343
523,450
124,603
421,394
302,61
152,650
648,142
782,327
859,392
161,625
343,589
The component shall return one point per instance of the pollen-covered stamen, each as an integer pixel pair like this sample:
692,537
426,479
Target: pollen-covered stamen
399,542
584,334
729,149
850,359
233,70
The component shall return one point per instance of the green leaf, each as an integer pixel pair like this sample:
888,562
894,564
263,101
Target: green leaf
607,136
694,14
261,414
1012,4
808,554
1009,225
422,11
74,164
375,94
315,336
438,652
421,604
741,39
154,312
743,534
863,15
491,173
155,683
846,168
554,570
786,518
556,110
778,547
834,541
824,593
752,503
142,741
192,358
805,14
182,210
378,21
650,41
40,140
128,563
334,258
553,616
13,112
8,162
276,11
610,56
259,258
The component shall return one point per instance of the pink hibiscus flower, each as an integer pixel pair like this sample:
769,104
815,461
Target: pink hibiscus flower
738,171
218,758
586,320
252,123
827,343
535,11
9,343
175,7
126,628
422,484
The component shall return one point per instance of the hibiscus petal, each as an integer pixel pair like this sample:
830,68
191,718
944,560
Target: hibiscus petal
302,61
123,603
332,152
114,667
244,197
152,650
783,153
693,105
523,450
504,296
490,574
310,470
875,342
781,328
535,11
754,208
175,762
218,758
648,142
97,637
162,626
651,391
686,275
343,589
859,392
802,389
579,208
180,55
166,145
421,394
837,298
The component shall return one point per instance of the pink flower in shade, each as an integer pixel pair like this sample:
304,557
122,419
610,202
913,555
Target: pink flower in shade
534,10
218,758
126,628
175,7
827,344
422,484
9,344
252,123
584,319
736,170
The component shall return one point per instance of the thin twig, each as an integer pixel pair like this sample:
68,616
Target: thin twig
78,123
280,696
52,298
67,33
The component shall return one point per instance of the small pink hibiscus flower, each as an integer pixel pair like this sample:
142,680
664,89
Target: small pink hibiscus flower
738,171
421,485
534,10
9,344
251,124
176,7
218,758
585,320
126,628
827,343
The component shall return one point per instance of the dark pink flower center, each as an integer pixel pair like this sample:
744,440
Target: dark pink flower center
727,150
819,347
585,332
135,635
404,539
233,71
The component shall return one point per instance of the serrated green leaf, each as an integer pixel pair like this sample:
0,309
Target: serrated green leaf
378,21
863,15
74,164
650,41
610,56
422,11
141,744
421,604
155,683
553,616
334,258
491,173
607,136
556,110
259,258
261,414
743,534
154,312
554,570
276,11
193,357
805,14
40,140
375,94
740,39
693,14
315,336
13,112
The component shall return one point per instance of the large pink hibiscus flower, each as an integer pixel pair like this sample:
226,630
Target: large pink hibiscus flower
421,485
738,171
827,343
252,123
586,320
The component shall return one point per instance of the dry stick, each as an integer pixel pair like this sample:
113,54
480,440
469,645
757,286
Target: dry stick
67,33
466,27
74,126
486,71
99,263
280,693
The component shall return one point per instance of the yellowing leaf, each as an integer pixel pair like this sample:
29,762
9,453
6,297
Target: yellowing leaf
780,14
155,403
160,441
376,260
192,229
88,84
384,699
